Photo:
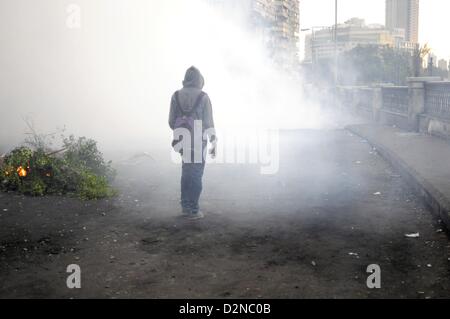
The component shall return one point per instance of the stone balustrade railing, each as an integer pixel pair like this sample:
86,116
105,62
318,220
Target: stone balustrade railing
422,106
437,99
395,99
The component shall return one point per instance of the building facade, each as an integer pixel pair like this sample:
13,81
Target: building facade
285,30
404,14
277,22
354,32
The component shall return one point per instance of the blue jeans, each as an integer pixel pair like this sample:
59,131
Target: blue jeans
191,186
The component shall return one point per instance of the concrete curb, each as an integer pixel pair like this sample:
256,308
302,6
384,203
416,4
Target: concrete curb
438,203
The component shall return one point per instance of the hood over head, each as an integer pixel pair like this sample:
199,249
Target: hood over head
193,78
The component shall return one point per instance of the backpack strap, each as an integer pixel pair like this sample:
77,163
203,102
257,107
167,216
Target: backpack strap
177,99
196,105
198,102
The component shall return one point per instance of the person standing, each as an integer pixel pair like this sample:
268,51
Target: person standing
191,112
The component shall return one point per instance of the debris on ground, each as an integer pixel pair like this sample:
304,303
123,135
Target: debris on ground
78,168
414,235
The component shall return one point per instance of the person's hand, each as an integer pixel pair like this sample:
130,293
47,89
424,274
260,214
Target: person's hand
213,150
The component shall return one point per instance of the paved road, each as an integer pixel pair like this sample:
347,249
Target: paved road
310,231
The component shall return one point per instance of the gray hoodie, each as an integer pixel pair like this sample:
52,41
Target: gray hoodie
192,87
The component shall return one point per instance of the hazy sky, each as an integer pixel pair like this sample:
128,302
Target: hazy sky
434,18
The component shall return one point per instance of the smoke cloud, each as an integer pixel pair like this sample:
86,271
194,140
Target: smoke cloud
110,74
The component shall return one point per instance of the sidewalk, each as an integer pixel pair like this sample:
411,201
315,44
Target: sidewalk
422,159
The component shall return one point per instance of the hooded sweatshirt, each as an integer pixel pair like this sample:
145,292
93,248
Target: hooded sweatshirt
192,87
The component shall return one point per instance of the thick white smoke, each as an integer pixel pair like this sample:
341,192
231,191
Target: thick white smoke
112,78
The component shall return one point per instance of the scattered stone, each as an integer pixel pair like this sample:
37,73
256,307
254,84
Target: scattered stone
313,263
377,194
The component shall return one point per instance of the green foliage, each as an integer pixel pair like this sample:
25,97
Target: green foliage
33,186
365,65
79,170
365,62
19,157
83,153
369,64
93,186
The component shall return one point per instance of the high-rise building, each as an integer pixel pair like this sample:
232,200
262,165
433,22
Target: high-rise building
286,29
276,21
404,14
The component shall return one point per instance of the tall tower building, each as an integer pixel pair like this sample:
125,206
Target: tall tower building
404,14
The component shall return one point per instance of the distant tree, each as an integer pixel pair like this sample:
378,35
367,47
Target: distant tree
397,66
361,65
365,65
419,54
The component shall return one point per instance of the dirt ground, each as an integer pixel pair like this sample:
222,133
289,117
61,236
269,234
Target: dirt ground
310,231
